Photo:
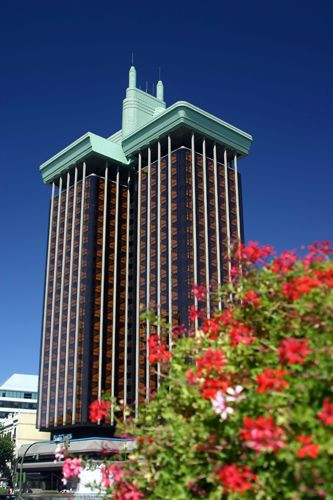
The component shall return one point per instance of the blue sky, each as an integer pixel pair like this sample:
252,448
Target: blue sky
265,67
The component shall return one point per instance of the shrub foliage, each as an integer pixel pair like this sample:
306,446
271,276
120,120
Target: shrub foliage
246,407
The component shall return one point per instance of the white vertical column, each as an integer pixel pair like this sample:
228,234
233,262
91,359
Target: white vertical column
194,217
115,290
217,223
158,251
204,174
101,313
64,249
137,347
148,275
53,303
237,200
169,242
227,215
78,297
69,306
126,289
41,374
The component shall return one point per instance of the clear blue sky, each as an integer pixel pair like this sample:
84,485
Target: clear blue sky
265,67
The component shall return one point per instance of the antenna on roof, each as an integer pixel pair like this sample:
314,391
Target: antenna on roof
146,85
132,58
153,89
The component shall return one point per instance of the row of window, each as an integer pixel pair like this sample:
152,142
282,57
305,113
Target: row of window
17,404
18,394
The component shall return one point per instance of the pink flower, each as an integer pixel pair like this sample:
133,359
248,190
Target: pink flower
262,434
191,377
220,406
199,292
234,394
59,453
71,468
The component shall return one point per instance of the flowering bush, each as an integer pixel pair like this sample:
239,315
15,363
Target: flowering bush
246,408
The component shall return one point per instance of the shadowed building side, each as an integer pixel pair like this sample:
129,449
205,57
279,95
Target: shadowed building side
135,221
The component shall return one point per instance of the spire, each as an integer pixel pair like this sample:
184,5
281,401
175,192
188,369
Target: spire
160,90
132,78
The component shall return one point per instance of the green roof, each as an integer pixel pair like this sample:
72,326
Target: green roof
145,120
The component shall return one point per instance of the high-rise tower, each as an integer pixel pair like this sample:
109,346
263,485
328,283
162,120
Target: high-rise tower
135,220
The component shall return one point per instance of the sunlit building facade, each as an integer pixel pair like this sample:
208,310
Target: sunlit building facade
135,220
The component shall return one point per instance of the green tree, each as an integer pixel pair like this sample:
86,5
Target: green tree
6,456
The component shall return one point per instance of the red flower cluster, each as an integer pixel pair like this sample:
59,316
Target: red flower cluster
293,350
253,253
211,386
194,313
212,327
262,434
240,333
199,291
326,415
318,251
251,298
325,276
293,289
236,478
211,362
157,352
191,377
124,490
284,262
271,380
308,449
98,410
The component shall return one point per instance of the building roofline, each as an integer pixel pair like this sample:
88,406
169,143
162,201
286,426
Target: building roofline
188,115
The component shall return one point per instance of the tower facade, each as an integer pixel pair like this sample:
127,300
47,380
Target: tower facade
135,220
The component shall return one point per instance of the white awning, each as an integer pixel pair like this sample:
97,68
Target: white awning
79,446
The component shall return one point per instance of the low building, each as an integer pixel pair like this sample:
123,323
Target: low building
18,394
21,427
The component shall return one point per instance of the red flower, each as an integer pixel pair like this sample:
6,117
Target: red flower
211,386
158,353
326,415
240,333
98,410
284,262
318,251
262,434
271,380
293,289
308,449
253,252
226,318
236,478
199,292
210,361
294,350
325,276
194,313
178,331
251,298
212,327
